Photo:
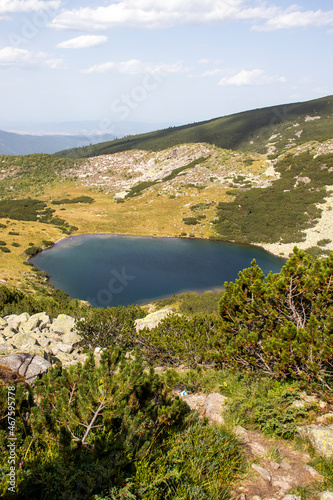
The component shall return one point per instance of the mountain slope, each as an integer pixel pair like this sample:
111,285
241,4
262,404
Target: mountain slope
23,144
286,125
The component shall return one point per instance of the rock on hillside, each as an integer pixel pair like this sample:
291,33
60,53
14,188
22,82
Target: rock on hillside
119,172
30,344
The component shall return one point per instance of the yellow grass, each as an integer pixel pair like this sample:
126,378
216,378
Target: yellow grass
148,215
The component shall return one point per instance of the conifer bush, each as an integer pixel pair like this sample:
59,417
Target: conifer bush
100,431
111,326
281,325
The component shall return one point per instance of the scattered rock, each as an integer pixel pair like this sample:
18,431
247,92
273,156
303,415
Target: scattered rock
312,471
6,348
63,324
39,336
257,449
14,320
291,497
263,472
213,407
327,418
9,332
71,338
241,433
23,341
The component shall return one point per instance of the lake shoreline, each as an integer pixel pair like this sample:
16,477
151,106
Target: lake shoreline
272,251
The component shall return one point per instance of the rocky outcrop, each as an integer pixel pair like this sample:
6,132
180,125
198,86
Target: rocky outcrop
320,437
31,344
152,319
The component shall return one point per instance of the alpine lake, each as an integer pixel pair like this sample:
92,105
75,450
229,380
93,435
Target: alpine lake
113,270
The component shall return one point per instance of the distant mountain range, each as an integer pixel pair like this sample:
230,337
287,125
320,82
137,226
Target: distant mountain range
22,144
268,131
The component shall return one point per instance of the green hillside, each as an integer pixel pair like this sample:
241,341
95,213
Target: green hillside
291,124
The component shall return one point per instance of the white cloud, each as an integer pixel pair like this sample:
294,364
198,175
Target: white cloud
293,18
83,42
251,77
14,57
136,67
161,14
12,6
209,73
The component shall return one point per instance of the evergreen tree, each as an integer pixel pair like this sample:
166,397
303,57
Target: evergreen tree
281,325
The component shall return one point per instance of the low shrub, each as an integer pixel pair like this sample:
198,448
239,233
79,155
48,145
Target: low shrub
32,250
111,326
281,325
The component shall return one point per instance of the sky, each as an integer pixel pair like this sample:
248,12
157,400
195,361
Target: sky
159,61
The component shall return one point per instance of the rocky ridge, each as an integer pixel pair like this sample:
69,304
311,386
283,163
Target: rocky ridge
117,173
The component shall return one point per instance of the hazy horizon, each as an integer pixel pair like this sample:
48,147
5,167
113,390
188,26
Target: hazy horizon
147,61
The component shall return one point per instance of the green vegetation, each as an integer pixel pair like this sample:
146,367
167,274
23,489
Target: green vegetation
267,405
31,173
254,400
281,325
113,325
26,209
78,199
53,302
33,210
193,303
113,430
323,242
137,190
248,131
280,212
191,220
32,250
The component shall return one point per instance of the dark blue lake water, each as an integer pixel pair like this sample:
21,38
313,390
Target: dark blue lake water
112,270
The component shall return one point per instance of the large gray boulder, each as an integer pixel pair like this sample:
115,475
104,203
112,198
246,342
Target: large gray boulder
321,438
71,338
30,366
63,324
14,320
6,348
9,332
23,341
39,320
152,320
210,406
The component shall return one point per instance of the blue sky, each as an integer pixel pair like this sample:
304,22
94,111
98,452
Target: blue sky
161,61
